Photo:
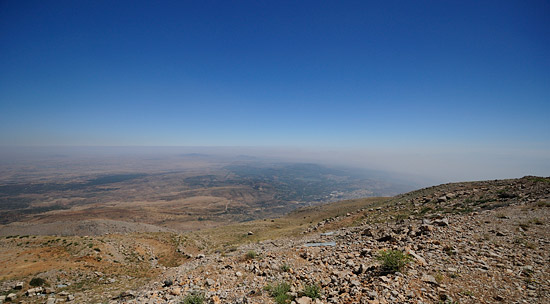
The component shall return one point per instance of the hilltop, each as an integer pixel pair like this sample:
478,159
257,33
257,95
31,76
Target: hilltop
471,242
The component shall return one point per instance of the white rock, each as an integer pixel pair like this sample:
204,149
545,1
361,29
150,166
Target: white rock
303,300
429,279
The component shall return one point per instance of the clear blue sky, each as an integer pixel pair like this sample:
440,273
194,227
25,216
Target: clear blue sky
406,74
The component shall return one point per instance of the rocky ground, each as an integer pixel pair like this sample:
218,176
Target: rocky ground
83,227
478,242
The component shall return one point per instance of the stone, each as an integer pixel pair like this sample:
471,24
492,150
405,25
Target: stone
429,279
367,232
11,297
418,258
238,274
441,222
250,233
303,300
386,238
34,291
210,282
70,298
19,286
125,295
426,228
372,294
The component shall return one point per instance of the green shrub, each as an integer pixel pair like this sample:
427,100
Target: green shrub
393,260
193,298
285,268
37,282
279,292
312,291
251,255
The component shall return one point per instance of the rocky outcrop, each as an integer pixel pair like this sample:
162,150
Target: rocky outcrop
485,256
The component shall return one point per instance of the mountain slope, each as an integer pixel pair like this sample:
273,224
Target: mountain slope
474,242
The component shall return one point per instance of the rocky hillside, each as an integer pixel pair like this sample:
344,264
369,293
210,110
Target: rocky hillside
475,242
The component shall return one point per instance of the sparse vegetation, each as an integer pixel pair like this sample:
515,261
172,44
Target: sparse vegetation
251,255
285,268
193,298
312,291
438,277
437,244
279,292
37,282
483,200
425,210
393,260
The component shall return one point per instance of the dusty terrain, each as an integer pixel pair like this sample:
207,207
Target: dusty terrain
198,192
478,242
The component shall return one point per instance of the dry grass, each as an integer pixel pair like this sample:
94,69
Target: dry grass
227,237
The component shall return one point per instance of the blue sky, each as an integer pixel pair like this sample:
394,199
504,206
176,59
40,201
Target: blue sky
417,75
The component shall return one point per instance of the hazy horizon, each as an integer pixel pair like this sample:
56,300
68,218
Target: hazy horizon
425,167
449,91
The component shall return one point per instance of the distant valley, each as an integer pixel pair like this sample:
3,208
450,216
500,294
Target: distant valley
170,193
